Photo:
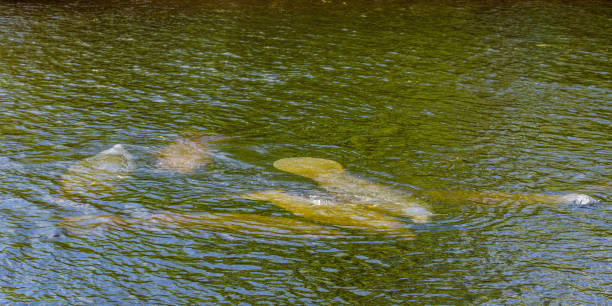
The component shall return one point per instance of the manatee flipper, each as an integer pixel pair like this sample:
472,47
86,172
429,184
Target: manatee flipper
308,166
99,172
184,156
352,216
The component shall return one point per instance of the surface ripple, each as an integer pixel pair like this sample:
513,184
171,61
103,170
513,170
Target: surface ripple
428,98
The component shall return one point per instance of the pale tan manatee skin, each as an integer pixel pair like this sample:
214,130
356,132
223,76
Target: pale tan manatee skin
98,173
331,176
350,216
504,198
185,155
248,224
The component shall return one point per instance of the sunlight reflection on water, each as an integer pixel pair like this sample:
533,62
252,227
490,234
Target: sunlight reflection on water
417,96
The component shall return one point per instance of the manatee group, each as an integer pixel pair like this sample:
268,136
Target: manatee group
353,203
358,204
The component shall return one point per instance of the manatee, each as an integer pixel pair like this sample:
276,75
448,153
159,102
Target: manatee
331,176
249,224
184,155
350,216
504,198
88,224
99,172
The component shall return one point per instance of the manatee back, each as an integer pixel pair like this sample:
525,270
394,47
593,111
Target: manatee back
184,156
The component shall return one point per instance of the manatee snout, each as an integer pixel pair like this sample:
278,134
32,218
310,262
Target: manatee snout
577,199
97,173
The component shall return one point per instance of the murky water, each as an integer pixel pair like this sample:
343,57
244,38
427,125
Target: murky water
465,97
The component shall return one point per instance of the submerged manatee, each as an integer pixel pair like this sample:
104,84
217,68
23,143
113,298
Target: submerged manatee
330,175
184,155
99,172
239,223
346,215
89,224
504,198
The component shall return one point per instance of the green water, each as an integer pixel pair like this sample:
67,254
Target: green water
417,95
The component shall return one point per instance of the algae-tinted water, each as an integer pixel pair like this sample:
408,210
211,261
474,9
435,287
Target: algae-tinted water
475,95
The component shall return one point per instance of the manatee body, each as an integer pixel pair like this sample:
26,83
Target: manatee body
99,172
351,216
90,224
184,156
331,176
505,198
249,224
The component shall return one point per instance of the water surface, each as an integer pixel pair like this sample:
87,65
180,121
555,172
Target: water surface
472,95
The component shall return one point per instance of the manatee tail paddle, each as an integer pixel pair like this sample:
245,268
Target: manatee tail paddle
308,166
